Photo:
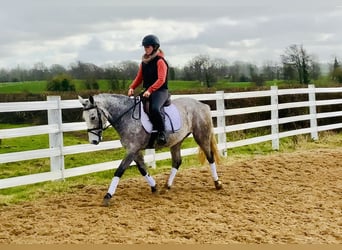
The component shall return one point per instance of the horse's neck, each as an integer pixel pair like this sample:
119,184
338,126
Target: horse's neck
114,105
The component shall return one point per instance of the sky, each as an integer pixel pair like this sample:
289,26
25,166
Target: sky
106,32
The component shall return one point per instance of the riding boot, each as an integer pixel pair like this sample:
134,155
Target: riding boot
161,139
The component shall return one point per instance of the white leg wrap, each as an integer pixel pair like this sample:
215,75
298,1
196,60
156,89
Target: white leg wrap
213,171
150,180
113,185
172,176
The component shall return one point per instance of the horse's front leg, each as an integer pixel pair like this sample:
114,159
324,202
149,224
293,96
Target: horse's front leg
117,175
176,162
139,160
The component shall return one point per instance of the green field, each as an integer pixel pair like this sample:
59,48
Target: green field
23,87
36,87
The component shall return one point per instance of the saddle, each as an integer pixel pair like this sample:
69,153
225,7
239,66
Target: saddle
146,104
172,117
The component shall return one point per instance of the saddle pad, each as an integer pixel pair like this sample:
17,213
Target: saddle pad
172,119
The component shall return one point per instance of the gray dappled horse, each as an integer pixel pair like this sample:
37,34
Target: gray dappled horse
122,112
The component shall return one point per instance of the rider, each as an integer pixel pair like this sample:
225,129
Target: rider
153,73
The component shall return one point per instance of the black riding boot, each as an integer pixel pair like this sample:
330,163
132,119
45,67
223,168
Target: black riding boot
161,139
158,99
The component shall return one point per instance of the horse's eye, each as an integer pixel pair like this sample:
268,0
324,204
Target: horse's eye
92,118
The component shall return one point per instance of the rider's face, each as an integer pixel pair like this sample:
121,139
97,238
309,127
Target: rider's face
148,49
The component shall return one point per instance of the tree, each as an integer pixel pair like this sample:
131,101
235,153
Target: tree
39,71
296,56
315,70
235,72
4,75
81,70
337,71
271,71
202,68
336,64
91,83
57,69
128,69
18,74
61,83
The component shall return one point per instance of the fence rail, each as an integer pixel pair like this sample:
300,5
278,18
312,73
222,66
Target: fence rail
55,129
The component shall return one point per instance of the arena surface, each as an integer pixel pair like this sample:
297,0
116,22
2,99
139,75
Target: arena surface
282,198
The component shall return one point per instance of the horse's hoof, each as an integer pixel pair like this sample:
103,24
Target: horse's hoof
106,200
218,185
165,189
154,189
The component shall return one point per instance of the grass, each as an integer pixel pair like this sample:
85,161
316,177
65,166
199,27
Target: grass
36,87
23,87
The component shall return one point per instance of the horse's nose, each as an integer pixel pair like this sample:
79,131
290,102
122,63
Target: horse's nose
95,142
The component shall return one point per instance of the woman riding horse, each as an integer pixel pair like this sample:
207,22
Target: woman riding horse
153,73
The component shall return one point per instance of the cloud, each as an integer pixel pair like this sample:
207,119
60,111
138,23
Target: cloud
107,31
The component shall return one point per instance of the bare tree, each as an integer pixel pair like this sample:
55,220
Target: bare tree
297,57
39,71
202,68
128,69
57,69
271,71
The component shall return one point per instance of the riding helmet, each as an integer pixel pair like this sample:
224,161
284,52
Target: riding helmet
151,40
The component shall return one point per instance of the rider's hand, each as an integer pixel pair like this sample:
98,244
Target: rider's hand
130,92
146,94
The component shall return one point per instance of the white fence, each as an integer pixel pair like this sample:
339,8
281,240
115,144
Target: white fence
55,128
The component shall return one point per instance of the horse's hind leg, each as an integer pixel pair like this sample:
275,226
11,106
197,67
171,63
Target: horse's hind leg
139,160
207,143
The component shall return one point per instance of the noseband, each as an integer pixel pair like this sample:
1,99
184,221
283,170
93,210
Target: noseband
97,130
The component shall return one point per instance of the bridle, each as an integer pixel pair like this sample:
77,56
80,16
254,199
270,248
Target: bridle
99,129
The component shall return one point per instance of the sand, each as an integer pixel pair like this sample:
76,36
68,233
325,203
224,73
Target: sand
282,198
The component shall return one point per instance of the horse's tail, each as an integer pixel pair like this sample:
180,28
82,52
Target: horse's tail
213,148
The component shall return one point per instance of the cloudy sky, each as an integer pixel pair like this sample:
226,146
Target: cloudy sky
110,31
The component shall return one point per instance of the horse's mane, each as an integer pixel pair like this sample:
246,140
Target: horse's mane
110,95
107,98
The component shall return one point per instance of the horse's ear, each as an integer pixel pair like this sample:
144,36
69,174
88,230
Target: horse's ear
82,101
91,99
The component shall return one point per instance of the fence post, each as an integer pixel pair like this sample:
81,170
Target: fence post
313,116
152,152
56,139
275,117
221,121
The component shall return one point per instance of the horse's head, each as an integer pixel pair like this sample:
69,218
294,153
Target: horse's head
94,119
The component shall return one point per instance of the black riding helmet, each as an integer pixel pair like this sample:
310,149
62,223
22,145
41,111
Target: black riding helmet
151,40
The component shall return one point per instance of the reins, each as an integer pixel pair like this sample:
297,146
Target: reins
137,101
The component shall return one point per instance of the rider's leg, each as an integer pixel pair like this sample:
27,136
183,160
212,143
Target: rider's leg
158,98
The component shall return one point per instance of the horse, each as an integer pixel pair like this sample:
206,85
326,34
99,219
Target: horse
123,112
